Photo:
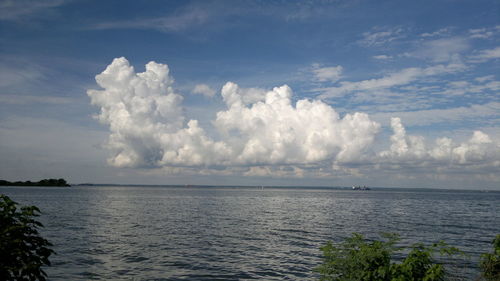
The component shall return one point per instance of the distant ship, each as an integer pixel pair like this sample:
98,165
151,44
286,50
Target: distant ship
360,187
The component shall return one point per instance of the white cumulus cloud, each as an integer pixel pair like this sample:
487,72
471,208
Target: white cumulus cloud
145,119
262,132
147,126
204,89
275,131
406,148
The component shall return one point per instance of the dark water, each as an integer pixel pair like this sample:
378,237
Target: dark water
160,233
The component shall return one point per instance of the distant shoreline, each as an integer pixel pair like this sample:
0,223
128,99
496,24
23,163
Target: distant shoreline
63,183
44,182
345,188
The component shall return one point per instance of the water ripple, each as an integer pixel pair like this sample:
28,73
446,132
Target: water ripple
150,233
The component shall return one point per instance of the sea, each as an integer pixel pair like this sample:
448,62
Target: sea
244,233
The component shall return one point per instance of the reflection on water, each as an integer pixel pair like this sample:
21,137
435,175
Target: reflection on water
239,233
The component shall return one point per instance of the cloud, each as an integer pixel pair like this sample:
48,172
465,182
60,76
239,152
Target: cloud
480,33
146,122
382,57
460,88
402,145
204,89
441,50
404,149
24,81
13,10
486,55
189,17
485,78
262,133
29,99
274,131
415,100
484,33
402,77
19,72
330,74
474,160
232,93
489,111
378,38
148,128
436,33
217,15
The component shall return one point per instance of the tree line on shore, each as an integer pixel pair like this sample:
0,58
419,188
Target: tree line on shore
44,182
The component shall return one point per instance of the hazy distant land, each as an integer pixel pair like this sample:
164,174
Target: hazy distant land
44,182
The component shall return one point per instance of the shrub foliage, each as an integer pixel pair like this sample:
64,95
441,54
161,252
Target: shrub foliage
490,262
22,250
357,259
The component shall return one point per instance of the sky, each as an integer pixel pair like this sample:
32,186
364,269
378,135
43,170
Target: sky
311,93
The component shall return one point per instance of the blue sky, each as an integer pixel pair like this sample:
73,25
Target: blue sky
387,93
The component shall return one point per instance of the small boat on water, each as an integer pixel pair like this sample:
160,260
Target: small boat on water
359,187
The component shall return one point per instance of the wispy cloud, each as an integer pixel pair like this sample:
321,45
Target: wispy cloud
200,14
22,10
330,74
382,57
381,36
453,115
432,94
441,50
425,93
29,99
190,17
16,72
402,77
484,33
437,33
485,55
482,79
460,88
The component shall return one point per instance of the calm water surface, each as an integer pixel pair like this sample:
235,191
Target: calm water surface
168,233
